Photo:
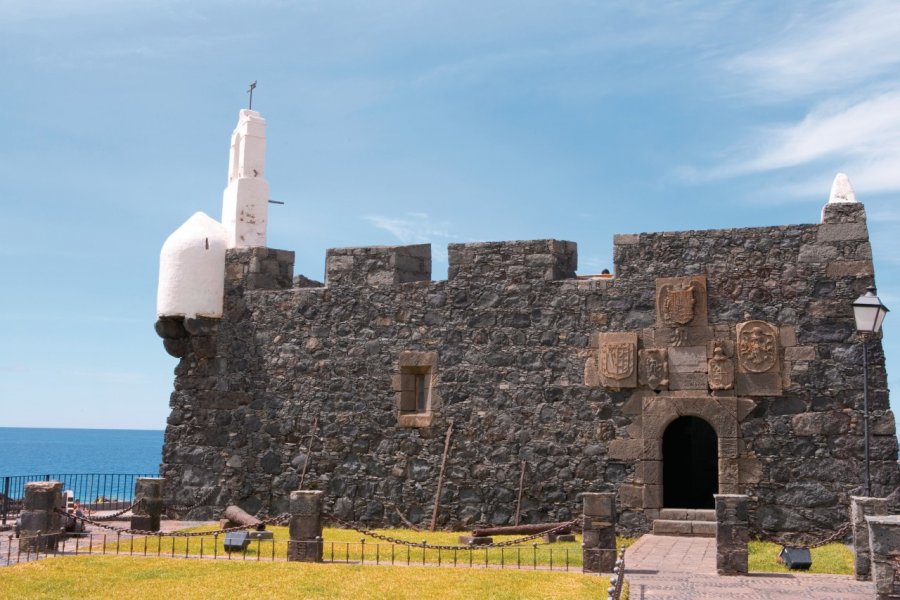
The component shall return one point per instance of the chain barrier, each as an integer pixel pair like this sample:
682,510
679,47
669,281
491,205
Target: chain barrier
197,504
781,541
617,581
276,520
115,515
399,542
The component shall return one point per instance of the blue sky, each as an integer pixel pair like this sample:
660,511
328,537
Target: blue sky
406,122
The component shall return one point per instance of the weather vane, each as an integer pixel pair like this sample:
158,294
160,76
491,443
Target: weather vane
250,91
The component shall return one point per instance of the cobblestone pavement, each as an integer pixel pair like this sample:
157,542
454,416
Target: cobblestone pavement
684,568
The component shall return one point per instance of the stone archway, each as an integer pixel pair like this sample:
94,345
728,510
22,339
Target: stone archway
653,414
690,464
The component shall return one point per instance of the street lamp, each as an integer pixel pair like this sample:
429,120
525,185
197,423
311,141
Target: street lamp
869,313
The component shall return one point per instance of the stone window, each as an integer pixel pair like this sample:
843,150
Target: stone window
415,389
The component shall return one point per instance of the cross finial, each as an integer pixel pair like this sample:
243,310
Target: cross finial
250,91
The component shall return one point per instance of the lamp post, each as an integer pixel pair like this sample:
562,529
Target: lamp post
869,313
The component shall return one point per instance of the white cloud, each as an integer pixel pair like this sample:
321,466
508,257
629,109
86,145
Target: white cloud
861,138
414,228
828,48
837,63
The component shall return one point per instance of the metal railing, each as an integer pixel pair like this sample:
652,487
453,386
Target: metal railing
95,491
541,557
15,550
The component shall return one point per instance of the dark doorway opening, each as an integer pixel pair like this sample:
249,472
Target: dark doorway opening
690,464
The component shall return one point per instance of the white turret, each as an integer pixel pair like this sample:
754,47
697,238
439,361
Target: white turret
841,192
192,270
245,203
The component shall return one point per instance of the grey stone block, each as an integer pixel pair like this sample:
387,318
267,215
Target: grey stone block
43,495
602,505
688,360
306,503
839,232
758,384
663,527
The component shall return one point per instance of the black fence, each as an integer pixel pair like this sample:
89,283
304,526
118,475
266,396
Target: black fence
95,491
218,546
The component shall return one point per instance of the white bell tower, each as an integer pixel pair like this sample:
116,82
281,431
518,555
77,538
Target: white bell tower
245,203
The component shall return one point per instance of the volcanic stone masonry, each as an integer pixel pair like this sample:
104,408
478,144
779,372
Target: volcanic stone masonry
351,385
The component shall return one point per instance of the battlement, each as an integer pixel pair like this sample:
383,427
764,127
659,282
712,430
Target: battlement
378,265
515,261
259,268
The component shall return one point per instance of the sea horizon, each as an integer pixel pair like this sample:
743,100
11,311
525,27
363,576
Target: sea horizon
68,450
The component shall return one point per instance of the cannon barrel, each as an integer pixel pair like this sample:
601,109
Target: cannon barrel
519,529
238,515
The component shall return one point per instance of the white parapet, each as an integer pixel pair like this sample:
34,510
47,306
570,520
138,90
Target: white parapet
245,203
192,270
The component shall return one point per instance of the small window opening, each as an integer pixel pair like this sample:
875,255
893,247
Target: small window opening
421,393
415,386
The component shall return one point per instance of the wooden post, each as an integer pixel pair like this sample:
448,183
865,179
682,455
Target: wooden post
519,501
312,436
440,484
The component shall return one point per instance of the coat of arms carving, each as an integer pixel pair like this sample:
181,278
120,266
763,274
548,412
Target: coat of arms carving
757,346
616,360
677,303
653,368
681,301
721,370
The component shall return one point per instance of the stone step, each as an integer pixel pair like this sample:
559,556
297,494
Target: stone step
679,527
688,514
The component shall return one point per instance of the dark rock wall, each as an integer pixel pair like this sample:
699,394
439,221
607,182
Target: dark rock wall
513,328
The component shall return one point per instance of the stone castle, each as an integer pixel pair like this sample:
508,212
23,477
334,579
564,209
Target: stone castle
722,361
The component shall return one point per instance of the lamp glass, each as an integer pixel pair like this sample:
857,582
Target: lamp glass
869,312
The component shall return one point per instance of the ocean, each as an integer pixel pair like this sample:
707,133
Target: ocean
96,465
32,451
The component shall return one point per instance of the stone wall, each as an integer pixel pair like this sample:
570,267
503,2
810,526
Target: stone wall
528,361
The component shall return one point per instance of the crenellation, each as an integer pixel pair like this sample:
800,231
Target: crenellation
378,265
516,261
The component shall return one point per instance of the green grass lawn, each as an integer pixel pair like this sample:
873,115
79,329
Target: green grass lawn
345,545
125,578
835,559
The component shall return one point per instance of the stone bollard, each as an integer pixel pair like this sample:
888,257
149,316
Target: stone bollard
305,526
860,508
40,521
884,545
732,533
598,545
148,492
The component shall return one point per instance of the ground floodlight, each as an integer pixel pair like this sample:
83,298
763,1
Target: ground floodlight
796,558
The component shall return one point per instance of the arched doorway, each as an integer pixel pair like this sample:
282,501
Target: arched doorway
690,464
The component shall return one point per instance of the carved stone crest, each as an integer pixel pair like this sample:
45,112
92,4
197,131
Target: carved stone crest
617,360
677,303
681,301
721,370
653,368
757,346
